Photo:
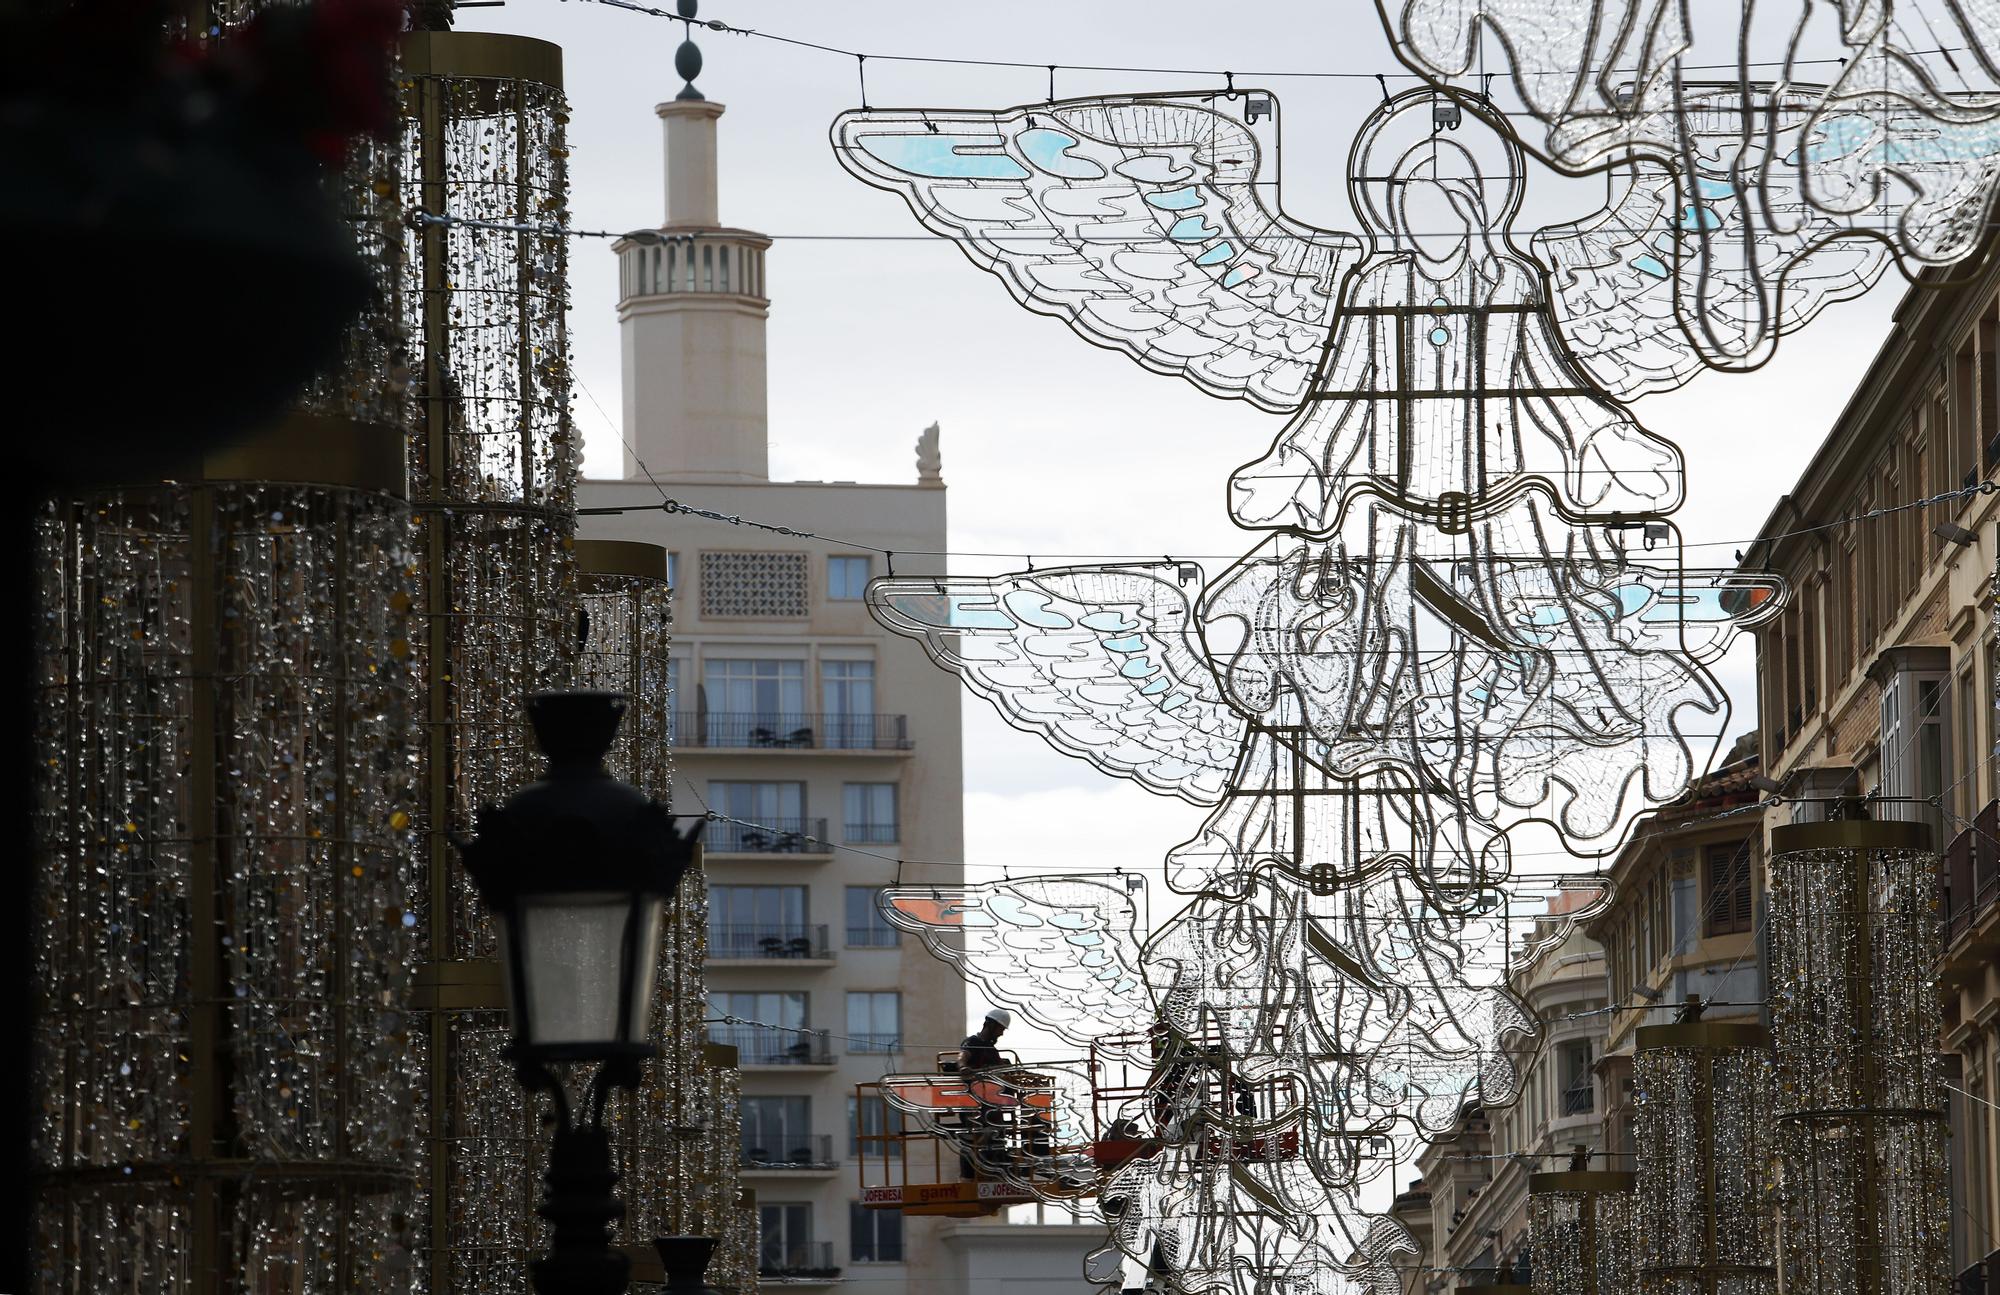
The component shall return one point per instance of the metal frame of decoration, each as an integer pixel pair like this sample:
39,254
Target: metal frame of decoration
493,475
1861,1127
1470,615
1701,1095
227,740
1470,612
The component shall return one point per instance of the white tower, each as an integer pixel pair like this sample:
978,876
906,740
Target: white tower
691,312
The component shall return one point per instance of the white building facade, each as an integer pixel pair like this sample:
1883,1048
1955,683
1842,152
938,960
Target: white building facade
829,748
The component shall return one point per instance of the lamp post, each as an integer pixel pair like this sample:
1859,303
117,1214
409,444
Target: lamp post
577,870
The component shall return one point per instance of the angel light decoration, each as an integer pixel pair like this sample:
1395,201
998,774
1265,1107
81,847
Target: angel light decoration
1467,614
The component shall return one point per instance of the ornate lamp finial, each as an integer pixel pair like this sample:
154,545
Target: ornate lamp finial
687,59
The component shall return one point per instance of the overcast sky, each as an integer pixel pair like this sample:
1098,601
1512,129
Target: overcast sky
1049,444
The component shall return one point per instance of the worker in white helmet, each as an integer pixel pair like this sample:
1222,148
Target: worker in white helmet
978,1052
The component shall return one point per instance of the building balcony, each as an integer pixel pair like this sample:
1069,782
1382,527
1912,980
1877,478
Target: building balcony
735,731
794,837
873,937
762,1046
765,942
1971,867
809,1153
1982,1278
1580,1100
806,1263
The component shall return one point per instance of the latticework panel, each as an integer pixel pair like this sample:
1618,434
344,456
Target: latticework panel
224,834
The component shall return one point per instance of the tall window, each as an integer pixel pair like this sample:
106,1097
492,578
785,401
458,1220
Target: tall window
747,921
788,1240
773,811
874,1236
756,702
1726,869
870,1118
777,1130
774,1038
866,927
874,1021
847,578
869,810
847,695
1577,1091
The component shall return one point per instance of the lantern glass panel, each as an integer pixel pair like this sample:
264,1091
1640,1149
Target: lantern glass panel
575,966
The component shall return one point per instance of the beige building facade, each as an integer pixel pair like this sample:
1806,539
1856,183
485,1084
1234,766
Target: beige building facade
827,749
1469,1211
1878,680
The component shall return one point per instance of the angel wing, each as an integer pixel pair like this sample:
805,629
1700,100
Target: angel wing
1707,262
1135,219
1102,662
1060,950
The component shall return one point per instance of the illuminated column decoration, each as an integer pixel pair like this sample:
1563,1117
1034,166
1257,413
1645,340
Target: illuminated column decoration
493,476
1580,1225
224,726
1702,1098
678,1161
728,1211
1855,1021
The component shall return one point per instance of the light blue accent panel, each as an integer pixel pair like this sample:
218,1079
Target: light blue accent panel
1011,910
1032,608
1159,685
1130,643
1175,199
1108,622
1555,615
1049,151
976,618
1440,335
1137,668
1647,263
1218,254
1714,188
1237,275
1631,598
1069,921
1175,702
939,156
1696,216
1192,229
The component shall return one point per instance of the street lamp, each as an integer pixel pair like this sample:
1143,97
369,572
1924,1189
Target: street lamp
576,870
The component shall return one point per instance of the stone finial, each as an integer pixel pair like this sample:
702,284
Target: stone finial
687,59
930,463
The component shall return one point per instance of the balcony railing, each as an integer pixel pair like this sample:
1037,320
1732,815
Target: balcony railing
775,836
873,937
799,1260
1578,1100
1972,872
882,1043
767,940
761,1046
787,730
870,833
760,1150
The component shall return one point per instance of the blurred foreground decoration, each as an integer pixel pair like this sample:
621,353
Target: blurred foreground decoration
227,741
185,259
1469,618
